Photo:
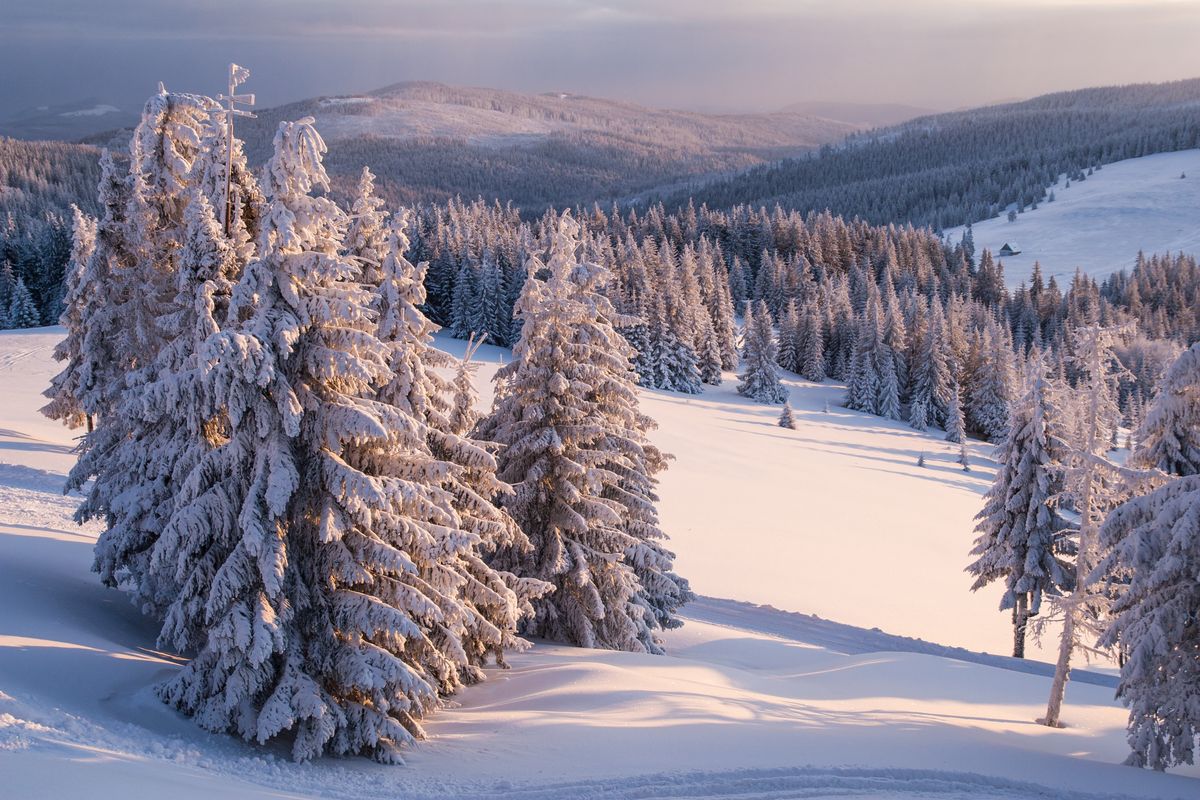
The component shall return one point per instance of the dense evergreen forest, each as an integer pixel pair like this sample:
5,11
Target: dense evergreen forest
840,292
39,181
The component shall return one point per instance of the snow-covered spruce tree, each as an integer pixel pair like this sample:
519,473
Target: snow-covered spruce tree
327,550
79,296
931,376
366,236
895,336
101,374
812,355
672,326
481,621
126,454
874,385
1169,438
715,282
671,363
955,428
463,414
22,311
466,299
760,380
164,150
173,425
576,452
989,389
862,390
708,356
1021,533
1155,541
786,418
788,356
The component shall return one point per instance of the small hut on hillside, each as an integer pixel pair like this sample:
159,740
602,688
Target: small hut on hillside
1010,249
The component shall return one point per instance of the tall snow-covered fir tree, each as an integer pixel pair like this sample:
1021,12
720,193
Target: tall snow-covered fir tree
670,363
575,450
167,145
332,575
175,424
812,347
133,488
66,388
931,374
1155,542
1022,539
760,377
715,283
462,468
101,372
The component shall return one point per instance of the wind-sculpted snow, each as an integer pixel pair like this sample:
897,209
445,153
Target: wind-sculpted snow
848,639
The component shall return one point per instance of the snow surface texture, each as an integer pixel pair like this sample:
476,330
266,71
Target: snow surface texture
751,702
1099,224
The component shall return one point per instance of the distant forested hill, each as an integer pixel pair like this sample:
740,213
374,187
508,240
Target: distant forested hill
950,169
428,142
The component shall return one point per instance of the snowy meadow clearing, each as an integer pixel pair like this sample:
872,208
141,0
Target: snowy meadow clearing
750,701
1098,225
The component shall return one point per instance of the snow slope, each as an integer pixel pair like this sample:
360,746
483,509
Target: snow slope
751,702
1100,224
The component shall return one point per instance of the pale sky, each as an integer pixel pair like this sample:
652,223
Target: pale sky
719,55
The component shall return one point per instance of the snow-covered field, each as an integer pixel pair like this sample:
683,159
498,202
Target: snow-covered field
833,519
1100,224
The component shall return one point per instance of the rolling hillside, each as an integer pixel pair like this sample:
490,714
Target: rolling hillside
948,169
428,141
1100,224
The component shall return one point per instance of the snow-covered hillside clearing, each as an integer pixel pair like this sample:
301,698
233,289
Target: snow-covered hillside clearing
1101,223
833,518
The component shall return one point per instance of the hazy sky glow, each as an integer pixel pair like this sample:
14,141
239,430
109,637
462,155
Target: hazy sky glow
722,55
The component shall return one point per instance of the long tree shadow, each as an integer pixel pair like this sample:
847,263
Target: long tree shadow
23,442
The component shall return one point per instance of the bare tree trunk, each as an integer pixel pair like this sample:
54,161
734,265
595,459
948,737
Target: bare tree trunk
91,423
1020,624
1062,669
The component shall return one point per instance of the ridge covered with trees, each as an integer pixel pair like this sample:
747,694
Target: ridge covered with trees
952,169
